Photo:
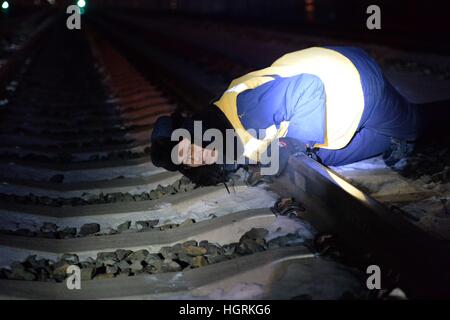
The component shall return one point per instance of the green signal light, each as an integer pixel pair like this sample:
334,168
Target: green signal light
81,3
5,5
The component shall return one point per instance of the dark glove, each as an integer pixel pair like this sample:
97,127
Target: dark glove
287,147
209,175
290,147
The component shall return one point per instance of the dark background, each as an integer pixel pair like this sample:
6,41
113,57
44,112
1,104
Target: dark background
417,24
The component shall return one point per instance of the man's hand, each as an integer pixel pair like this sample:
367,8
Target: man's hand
289,147
286,148
208,175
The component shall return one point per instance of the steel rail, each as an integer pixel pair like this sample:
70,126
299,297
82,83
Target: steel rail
367,226
364,224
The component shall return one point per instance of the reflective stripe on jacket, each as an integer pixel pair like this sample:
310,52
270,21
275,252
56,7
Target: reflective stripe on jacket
343,103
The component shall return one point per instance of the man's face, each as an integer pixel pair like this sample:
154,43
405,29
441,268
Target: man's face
192,155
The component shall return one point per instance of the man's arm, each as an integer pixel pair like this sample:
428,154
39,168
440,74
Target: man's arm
298,99
306,110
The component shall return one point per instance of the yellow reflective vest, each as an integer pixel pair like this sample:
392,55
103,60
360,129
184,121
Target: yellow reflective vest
343,91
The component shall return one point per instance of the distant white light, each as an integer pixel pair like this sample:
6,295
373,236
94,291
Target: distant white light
81,3
5,5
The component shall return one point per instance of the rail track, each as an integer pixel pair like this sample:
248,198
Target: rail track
78,187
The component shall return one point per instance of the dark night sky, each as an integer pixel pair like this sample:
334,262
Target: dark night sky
422,24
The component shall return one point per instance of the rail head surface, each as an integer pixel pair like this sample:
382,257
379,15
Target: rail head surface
365,225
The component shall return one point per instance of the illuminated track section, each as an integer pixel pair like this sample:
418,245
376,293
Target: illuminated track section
369,227
114,211
78,188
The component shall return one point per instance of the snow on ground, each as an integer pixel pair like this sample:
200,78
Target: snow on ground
239,199
375,163
283,226
373,177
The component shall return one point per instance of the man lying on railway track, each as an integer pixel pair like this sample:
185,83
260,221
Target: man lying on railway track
332,103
